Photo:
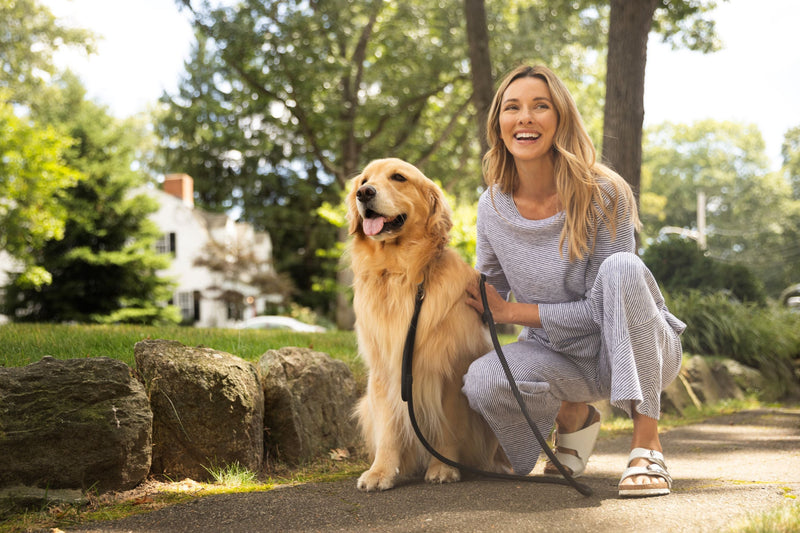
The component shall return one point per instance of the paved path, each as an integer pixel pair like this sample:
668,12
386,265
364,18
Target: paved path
724,468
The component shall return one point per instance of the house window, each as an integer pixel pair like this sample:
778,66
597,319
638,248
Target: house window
235,311
166,244
186,304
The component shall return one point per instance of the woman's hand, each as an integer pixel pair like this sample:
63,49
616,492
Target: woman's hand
497,305
503,311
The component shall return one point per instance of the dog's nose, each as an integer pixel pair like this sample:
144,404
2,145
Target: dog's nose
365,193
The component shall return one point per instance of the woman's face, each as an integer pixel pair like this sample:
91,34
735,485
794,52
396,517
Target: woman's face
528,119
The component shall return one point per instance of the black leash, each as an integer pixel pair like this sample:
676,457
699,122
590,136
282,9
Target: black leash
407,396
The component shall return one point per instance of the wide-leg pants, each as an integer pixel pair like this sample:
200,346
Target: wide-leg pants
637,352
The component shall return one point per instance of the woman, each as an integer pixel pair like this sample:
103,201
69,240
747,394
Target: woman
556,229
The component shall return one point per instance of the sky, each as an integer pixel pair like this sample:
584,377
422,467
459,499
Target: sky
754,79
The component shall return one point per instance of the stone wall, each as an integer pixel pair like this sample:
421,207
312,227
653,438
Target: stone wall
96,424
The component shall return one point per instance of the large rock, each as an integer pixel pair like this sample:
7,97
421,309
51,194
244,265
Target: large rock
702,381
726,381
208,409
748,379
678,396
73,424
308,403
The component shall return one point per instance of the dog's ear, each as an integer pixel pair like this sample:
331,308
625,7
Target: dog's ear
440,218
353,217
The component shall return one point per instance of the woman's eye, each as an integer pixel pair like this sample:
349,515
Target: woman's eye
398,177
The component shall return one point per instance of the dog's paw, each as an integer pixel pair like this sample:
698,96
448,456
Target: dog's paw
442,473
374,479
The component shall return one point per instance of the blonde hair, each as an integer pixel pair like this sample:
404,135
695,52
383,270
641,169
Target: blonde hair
579,176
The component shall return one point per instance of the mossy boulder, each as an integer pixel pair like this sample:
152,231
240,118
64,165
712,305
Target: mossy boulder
73,424
308,403
208,409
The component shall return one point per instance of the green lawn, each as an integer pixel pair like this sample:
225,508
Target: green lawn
22,344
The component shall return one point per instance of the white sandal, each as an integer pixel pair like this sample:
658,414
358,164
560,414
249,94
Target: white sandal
581,442
656,468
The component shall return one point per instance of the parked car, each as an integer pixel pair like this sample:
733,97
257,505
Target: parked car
279,322
790,297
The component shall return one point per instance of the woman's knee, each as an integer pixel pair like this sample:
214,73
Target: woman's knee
623,266
479,379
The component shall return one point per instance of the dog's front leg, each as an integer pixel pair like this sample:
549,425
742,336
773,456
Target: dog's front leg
385,469
438,472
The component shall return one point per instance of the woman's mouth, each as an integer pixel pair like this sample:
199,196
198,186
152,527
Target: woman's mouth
527,136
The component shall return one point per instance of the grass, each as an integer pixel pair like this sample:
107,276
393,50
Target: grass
233,475
27,343
691,415
783,519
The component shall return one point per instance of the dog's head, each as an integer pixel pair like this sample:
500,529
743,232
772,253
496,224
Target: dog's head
391,199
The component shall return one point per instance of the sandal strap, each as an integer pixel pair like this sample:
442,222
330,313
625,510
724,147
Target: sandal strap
581,441
657,466
653,456
649,470
575,464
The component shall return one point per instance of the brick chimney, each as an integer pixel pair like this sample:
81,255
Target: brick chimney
180,186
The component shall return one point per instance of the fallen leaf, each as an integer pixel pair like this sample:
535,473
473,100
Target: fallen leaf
339,454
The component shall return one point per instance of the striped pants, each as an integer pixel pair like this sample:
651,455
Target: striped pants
629,355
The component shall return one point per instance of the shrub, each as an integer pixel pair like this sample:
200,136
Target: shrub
764,337
679,265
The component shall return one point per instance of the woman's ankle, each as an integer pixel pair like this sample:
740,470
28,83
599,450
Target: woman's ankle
645,432
572,416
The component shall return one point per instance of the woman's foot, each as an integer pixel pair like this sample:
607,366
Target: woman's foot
578,425
646,475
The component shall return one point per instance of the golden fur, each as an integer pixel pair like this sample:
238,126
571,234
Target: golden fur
387,268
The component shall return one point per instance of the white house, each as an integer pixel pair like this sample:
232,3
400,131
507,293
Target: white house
190,234
205,296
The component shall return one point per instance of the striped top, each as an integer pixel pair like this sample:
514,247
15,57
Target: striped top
521,256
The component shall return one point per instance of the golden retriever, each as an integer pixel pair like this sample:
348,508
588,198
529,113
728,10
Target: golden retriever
399,221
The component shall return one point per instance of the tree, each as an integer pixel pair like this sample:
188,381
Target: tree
29,34
790,151
629,26
329,96
680,266
33,182
728,162
480,65
211,132
105,269
319,89
236,262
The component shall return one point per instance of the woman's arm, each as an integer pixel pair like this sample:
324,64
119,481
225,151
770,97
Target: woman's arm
503,311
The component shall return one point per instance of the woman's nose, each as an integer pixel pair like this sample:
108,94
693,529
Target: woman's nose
525,116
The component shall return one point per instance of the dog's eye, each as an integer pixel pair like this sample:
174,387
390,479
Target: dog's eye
398,177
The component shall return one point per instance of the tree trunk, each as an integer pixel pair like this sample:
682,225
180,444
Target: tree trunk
629,25
345,315
481,65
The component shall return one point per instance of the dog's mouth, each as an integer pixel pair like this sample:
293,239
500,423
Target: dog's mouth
375,223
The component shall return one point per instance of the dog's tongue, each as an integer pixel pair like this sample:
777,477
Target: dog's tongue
373,226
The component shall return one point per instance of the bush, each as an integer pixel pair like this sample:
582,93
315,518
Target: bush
679,265
764,337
